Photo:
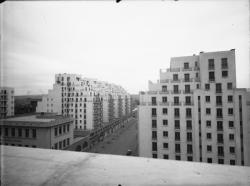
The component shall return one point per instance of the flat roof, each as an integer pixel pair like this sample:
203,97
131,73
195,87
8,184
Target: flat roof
56,167
36,121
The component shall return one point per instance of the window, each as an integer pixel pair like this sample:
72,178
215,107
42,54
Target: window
218,100
188,100
154,134
177,136
220,138
198,86
175,77
189,136
60,145
165,145
209,148
153,100
219,126
154,123
230,98
177,148
207,86
153,111
64,143
188,112
164,99
165,122
218,88
13,131
190,158
186,65
26,133
209,136
221,161
154,155
189,148
154,146
231,137
165,133
209,160
224,74
232,150
177,124
187,88
164,111
224,63
186,77
34,133
232,162
178,157
164,88
6,131
19,132
60,129
165,156
231,124
189,124
208,111
67,141
208,123
176,89
176,100
176,112
210,64
229,86
211,76
219,113
230,111
207,99
220,151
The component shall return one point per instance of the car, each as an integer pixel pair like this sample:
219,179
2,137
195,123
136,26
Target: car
129,152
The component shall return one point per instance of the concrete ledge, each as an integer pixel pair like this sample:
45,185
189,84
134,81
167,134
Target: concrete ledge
29,166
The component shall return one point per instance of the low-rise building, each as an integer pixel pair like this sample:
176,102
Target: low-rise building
47,131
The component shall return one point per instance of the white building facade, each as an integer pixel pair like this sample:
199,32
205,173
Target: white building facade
196,113
7,102
90,102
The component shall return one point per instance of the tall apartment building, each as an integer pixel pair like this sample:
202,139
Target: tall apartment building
90,102
195,112
6,102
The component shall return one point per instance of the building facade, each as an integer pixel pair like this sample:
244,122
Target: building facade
90,102
195,112
6,102
37,131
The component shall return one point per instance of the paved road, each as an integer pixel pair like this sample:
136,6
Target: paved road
120,141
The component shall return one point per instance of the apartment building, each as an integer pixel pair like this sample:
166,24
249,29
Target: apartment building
47,131
89,101
195,112
6,102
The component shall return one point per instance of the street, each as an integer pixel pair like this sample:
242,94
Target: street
120,141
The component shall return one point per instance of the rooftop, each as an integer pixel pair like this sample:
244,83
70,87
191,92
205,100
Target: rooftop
43,120
28,166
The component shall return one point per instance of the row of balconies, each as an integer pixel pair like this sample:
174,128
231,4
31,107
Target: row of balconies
179,80
172,92
183,69
167,103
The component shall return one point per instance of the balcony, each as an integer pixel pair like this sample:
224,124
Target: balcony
187,92
152,92
188,103
136,170
173,69
154,115
211,67
164,92
188,116
219,104
164,80
175,81
196,68
152,103
219,116
175,91
187,80
187,69
218,91
176,103
211,80
164,103
223,67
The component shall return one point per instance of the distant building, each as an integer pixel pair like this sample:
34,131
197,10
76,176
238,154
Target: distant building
26,104
47,131
90,102
6,102
196,113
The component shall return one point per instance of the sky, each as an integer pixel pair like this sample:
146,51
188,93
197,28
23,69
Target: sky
125,43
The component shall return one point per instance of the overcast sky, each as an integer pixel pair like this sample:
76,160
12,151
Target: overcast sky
125,43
